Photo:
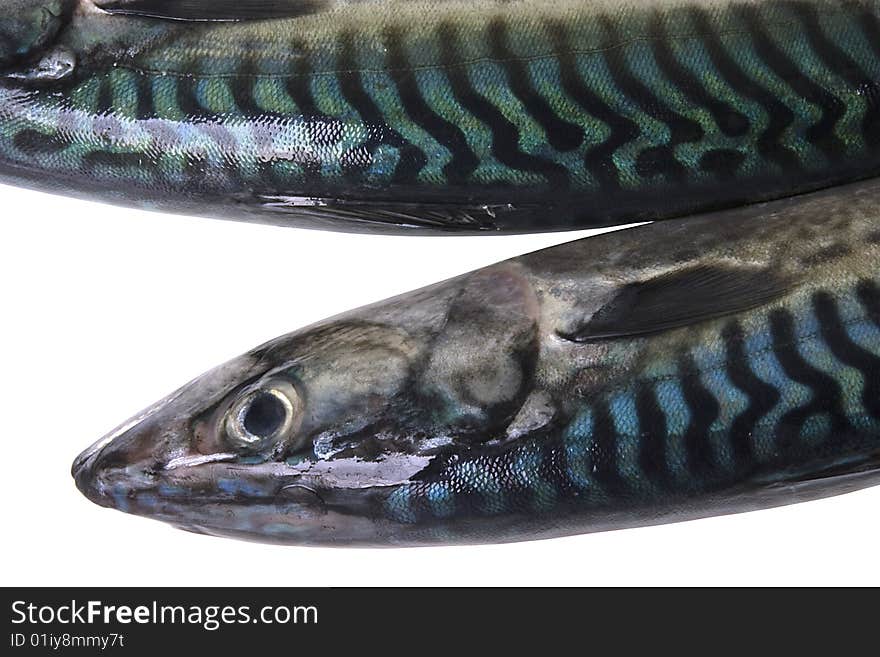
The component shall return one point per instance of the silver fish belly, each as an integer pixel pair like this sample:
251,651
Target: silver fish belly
712,365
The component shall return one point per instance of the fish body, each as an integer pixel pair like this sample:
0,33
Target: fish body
395,115
686,368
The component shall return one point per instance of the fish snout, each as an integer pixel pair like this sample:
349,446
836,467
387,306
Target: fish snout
86,471
152,459
118,464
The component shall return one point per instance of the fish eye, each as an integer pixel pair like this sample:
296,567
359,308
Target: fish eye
266,413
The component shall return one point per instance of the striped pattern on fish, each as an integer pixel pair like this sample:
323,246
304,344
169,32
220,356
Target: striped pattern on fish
802,384
474,116
704,365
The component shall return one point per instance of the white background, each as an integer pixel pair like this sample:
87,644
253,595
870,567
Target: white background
105,310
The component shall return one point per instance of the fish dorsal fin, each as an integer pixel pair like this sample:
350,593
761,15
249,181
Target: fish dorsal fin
214,10
681,298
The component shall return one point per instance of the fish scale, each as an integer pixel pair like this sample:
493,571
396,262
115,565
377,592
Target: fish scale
473,117
718,363
615,381
584,474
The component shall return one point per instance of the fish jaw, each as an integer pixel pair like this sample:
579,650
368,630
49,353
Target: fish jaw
272,505
222,495
149,457
167,463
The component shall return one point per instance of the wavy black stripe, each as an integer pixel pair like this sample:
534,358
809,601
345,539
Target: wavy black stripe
658,160
242,86
868,293
299,89
242,89
842,65
848,352
323,131
143,88
104,101
412,160
723,163
779,117
762,396
603,452
187,99
825,392
561,134
821,134
34,142
653,435
704,410
505,135
598,160
731,122
464,162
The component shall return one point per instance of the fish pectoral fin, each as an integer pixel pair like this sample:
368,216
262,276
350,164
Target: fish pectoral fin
213,10
439,215
681,298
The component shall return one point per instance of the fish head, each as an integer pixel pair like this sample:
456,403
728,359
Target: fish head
304,439
28,27
270,444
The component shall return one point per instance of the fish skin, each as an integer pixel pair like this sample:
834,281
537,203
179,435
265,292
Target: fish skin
530,399
411,116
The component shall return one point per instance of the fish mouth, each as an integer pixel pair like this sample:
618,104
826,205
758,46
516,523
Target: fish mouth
133,459
103,479
152,466
282,511
85,474
124,465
